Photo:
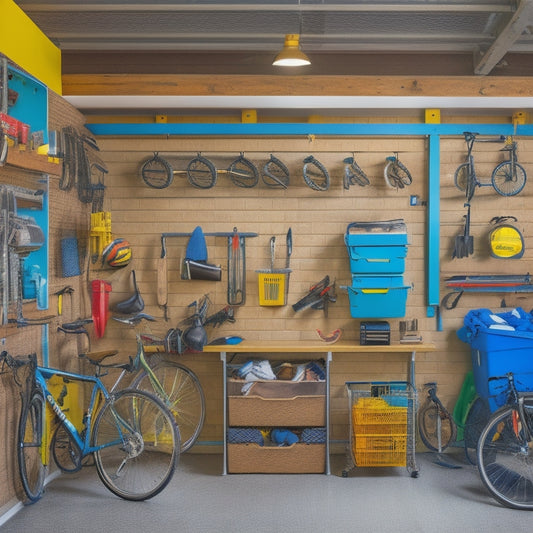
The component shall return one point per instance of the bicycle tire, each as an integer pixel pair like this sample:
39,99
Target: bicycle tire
243,173
201,173
476,419
428,416
65,451
507,182
157,172
460,178
136,461
396,174
504,460
186,399
315,174
29,451
275,173
354,174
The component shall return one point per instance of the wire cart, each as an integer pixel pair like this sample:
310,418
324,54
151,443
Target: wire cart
382,425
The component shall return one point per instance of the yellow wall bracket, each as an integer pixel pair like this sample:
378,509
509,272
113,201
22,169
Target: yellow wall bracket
249,116
519,118
28,47
432,116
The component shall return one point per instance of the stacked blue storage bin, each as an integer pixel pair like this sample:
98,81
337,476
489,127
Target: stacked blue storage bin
377,252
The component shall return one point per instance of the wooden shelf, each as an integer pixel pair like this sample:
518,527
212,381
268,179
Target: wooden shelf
30,160
316,347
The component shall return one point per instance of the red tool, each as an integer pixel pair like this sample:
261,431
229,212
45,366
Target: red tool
100,305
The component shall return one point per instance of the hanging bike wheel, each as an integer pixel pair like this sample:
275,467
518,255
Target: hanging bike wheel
29,450
185,397
243,173
201,173
157,172
509,179
396,174
315,174
275,173
432,420
139,445
504,459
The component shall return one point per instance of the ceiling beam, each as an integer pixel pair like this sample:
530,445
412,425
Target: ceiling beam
523,16
104,7
290,85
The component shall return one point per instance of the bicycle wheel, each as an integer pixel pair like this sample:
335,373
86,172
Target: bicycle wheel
243,172
185,399
505,459
431,419
157,172
476,419
396,174
509,179
201,173
29,451
315,174
275,173
65,451
139,445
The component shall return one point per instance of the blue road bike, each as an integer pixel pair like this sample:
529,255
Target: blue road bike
130,433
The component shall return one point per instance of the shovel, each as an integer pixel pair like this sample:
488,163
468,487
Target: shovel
464,244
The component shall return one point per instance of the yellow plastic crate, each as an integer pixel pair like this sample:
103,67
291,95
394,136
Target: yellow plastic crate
377,411
380,450
272,288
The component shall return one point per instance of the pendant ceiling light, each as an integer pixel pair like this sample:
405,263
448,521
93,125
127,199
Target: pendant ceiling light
291,55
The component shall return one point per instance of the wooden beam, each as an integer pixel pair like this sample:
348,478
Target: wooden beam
261,85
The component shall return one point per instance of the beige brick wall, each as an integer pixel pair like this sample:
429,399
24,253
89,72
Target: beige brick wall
318,221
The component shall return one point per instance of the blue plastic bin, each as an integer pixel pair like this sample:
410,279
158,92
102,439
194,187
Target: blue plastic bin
377,259
377,297
374,250
496,352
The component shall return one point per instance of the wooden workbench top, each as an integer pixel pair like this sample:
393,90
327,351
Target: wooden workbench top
315,347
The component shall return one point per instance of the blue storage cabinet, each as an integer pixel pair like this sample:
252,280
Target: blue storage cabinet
496,352
377,252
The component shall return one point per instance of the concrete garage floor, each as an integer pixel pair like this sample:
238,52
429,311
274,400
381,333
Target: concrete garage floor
201,500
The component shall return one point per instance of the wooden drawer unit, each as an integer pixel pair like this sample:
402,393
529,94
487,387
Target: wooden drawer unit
296,459
277,403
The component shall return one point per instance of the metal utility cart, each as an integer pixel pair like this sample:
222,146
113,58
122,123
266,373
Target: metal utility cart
382,425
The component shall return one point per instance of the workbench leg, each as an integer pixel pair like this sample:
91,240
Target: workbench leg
225,415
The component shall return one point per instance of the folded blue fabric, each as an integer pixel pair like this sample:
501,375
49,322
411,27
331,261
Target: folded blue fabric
283,437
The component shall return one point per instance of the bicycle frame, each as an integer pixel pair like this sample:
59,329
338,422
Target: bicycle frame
42,374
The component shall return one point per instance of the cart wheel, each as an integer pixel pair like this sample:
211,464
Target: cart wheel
414,473
344,473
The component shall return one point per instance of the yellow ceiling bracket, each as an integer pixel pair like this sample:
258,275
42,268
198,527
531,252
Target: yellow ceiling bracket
27,46
432,116
161,119
249,116
519,118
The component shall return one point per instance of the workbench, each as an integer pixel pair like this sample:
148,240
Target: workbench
269,349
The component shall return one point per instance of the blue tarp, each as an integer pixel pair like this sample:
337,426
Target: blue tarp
515,321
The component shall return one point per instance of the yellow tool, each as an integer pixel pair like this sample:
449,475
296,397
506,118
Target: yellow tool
65,290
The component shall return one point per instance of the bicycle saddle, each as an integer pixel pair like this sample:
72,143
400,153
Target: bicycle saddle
133,304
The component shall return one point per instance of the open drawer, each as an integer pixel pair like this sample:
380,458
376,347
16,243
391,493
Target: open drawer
277,403
296,459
